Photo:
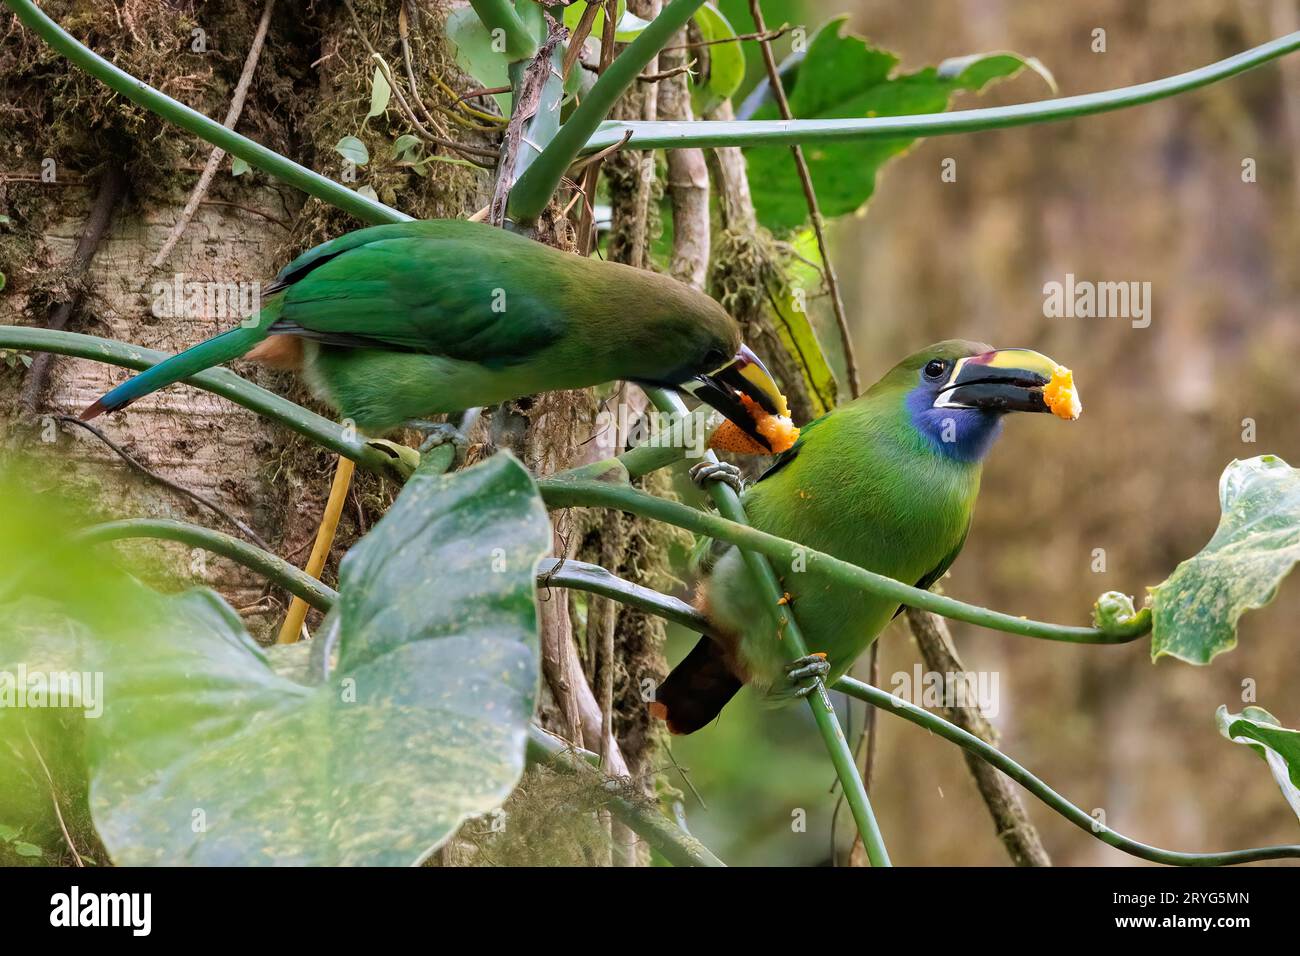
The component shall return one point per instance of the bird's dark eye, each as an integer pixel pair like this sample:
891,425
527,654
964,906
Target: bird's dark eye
935,368
714,358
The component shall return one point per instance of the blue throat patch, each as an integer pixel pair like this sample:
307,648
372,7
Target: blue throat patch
962,434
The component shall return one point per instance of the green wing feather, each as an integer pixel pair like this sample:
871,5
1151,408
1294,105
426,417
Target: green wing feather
456,289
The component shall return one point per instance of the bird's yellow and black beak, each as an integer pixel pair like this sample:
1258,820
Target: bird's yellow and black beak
744,375
1009,380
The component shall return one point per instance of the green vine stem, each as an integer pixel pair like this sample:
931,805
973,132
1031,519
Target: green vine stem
277,569
534,189
890,704
501,15
592,578
255,154
219,381
562,492
667,135
672,842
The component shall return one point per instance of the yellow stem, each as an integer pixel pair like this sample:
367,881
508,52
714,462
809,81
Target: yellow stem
320,550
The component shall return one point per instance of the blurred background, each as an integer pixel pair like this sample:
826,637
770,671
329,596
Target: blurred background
1153,194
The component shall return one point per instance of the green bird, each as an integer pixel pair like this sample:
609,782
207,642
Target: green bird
392,323
887,482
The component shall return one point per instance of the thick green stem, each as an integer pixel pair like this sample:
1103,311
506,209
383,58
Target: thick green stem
673,843
533,190
219,381
312,183
561,492
661,135
592,578
888,703
283,573
501,15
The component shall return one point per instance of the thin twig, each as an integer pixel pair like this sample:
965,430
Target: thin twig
814,209
212,506
218,154
54,798
738,38
111,189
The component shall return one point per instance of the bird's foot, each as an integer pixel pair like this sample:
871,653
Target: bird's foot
814,666
728,474
437,434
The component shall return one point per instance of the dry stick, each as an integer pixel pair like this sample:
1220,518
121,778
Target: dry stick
212,506
218,154
579,37
1014,828
814,209
292,627
738,38
54,797
587,222
111,189
527,101
688,184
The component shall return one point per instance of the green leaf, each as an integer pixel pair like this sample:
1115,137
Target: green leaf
7,833
368,192
1279,746
26,849
726,62
209,752
380,93
844,76
628,27
2,281
238,166
407,147
792,307
1196,609
473,47
353,150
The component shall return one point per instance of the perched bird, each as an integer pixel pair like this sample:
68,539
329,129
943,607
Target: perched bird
392,323
887,482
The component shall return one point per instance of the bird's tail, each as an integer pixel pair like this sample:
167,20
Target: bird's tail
214,351
697,689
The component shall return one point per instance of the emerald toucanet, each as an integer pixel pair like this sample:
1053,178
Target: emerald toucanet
886,482
396,322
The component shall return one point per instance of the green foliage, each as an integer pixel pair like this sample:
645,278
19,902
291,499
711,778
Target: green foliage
726,62
353,150
380,94
11,837
1257,543
1279,746
843,76
212,751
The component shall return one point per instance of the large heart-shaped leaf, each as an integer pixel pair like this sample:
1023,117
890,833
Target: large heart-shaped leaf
843,76
207,754
1279,746
1195,610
